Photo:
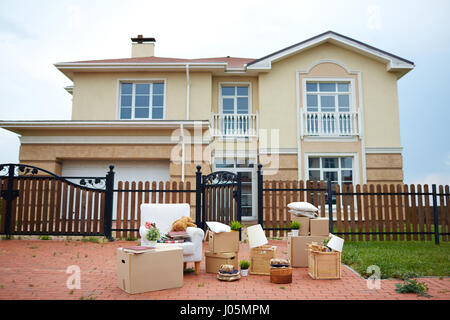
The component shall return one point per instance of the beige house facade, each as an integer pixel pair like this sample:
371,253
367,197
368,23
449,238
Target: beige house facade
324,108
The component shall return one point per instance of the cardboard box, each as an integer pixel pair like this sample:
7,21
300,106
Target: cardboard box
298,249
224,242
319,226
304,224
260,259
215,260
150,271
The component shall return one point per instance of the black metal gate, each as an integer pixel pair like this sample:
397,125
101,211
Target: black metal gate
219,197
38,202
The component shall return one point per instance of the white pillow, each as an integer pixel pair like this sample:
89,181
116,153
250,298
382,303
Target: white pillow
308,214
218,227
302,206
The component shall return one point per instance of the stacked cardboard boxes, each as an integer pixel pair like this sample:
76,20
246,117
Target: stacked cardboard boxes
311,230
223,249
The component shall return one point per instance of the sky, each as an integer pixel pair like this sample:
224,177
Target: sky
36,34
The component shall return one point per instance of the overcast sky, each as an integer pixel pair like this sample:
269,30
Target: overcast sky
36,34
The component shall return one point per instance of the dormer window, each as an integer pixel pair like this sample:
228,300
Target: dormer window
141,100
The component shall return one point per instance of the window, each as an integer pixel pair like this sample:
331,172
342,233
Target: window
142,100
327,96
338,169
235,99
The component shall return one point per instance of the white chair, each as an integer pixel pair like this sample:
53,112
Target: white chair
164,215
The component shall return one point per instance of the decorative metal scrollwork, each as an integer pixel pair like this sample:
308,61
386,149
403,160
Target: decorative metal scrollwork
25,170
220,177
93,183
4,169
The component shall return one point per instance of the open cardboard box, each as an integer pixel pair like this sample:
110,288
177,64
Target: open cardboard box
298,249
223,242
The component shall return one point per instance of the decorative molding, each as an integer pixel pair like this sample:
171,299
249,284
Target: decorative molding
105,140
330,139
278,151
391,61
372,150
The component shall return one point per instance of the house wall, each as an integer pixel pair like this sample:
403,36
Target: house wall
96,95
51,156
279,91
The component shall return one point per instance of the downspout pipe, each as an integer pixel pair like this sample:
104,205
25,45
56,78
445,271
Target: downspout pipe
182,152
188,92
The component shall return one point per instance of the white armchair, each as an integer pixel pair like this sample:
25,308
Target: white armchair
164,215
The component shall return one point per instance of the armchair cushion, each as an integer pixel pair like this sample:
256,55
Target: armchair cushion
164,215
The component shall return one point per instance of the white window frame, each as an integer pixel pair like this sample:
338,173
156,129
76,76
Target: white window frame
350,80
236,84
355,168
140,81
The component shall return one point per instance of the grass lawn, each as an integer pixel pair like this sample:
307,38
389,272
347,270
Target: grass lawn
398,259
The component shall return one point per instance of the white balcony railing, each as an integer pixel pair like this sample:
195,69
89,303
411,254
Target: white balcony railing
234,125
330,124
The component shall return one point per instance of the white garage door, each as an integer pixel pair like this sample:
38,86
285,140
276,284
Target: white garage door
153,170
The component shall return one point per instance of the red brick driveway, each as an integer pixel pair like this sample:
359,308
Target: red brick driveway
36,269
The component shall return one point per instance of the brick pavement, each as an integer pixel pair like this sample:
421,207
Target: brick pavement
36,269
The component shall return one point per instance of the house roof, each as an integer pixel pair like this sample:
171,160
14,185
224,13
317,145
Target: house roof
393,62
231,62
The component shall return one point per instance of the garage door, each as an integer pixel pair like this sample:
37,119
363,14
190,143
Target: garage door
124,171
154,170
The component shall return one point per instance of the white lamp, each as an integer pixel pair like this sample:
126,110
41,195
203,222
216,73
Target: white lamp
335,243
256,236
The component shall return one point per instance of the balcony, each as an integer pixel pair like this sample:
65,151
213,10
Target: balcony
234,125
330,124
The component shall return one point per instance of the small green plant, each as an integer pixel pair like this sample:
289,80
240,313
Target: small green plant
235,225
188,270
45,238
152,233
282,288
325,241
201,284
244,264
295,225
91,239
413,286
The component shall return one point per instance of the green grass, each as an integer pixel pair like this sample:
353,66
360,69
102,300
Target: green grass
398,259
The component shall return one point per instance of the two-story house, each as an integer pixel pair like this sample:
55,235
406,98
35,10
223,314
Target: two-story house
326,107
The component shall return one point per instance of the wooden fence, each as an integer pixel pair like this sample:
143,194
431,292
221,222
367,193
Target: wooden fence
363,212
47,205
131,194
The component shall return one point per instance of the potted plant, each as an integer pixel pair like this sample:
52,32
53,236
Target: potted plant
152,233
244,264
235,226
295,227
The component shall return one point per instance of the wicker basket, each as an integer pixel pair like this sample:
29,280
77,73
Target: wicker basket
281,275
324,265
260,259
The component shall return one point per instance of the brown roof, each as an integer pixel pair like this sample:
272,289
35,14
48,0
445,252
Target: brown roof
232,62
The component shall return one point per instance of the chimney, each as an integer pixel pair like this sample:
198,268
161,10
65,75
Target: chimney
142,47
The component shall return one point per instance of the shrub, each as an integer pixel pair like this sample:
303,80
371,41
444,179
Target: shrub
412,286
295,225
235,225
244,264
